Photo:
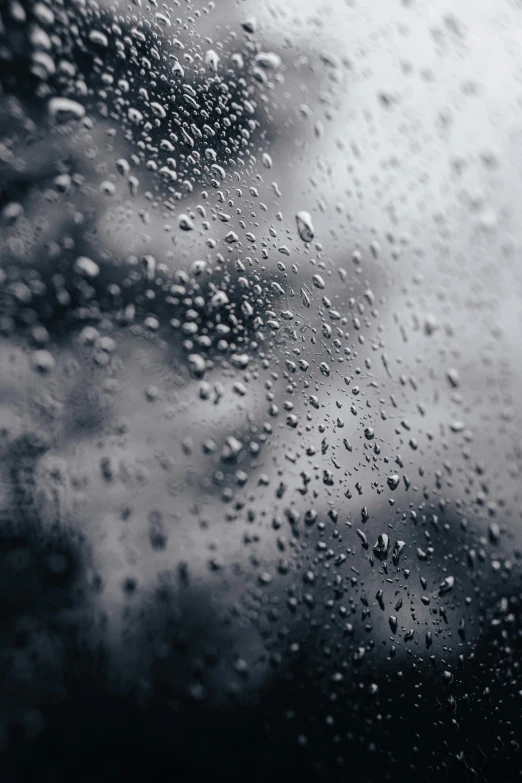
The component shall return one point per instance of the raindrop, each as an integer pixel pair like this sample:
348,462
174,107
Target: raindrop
305,227
63,109
446,585
380,547
185,223
393,481
397,551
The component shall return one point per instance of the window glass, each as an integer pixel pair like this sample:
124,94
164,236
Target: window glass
260,367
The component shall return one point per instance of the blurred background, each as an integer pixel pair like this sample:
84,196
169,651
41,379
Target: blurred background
260,376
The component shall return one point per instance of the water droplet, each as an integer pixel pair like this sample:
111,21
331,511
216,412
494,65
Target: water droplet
86,267
249,25
393,481
185,223
380,547
43,361
397,551
212,60
98,38
305,226
446,585
63,109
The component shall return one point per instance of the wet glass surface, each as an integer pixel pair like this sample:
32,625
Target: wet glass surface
260,373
